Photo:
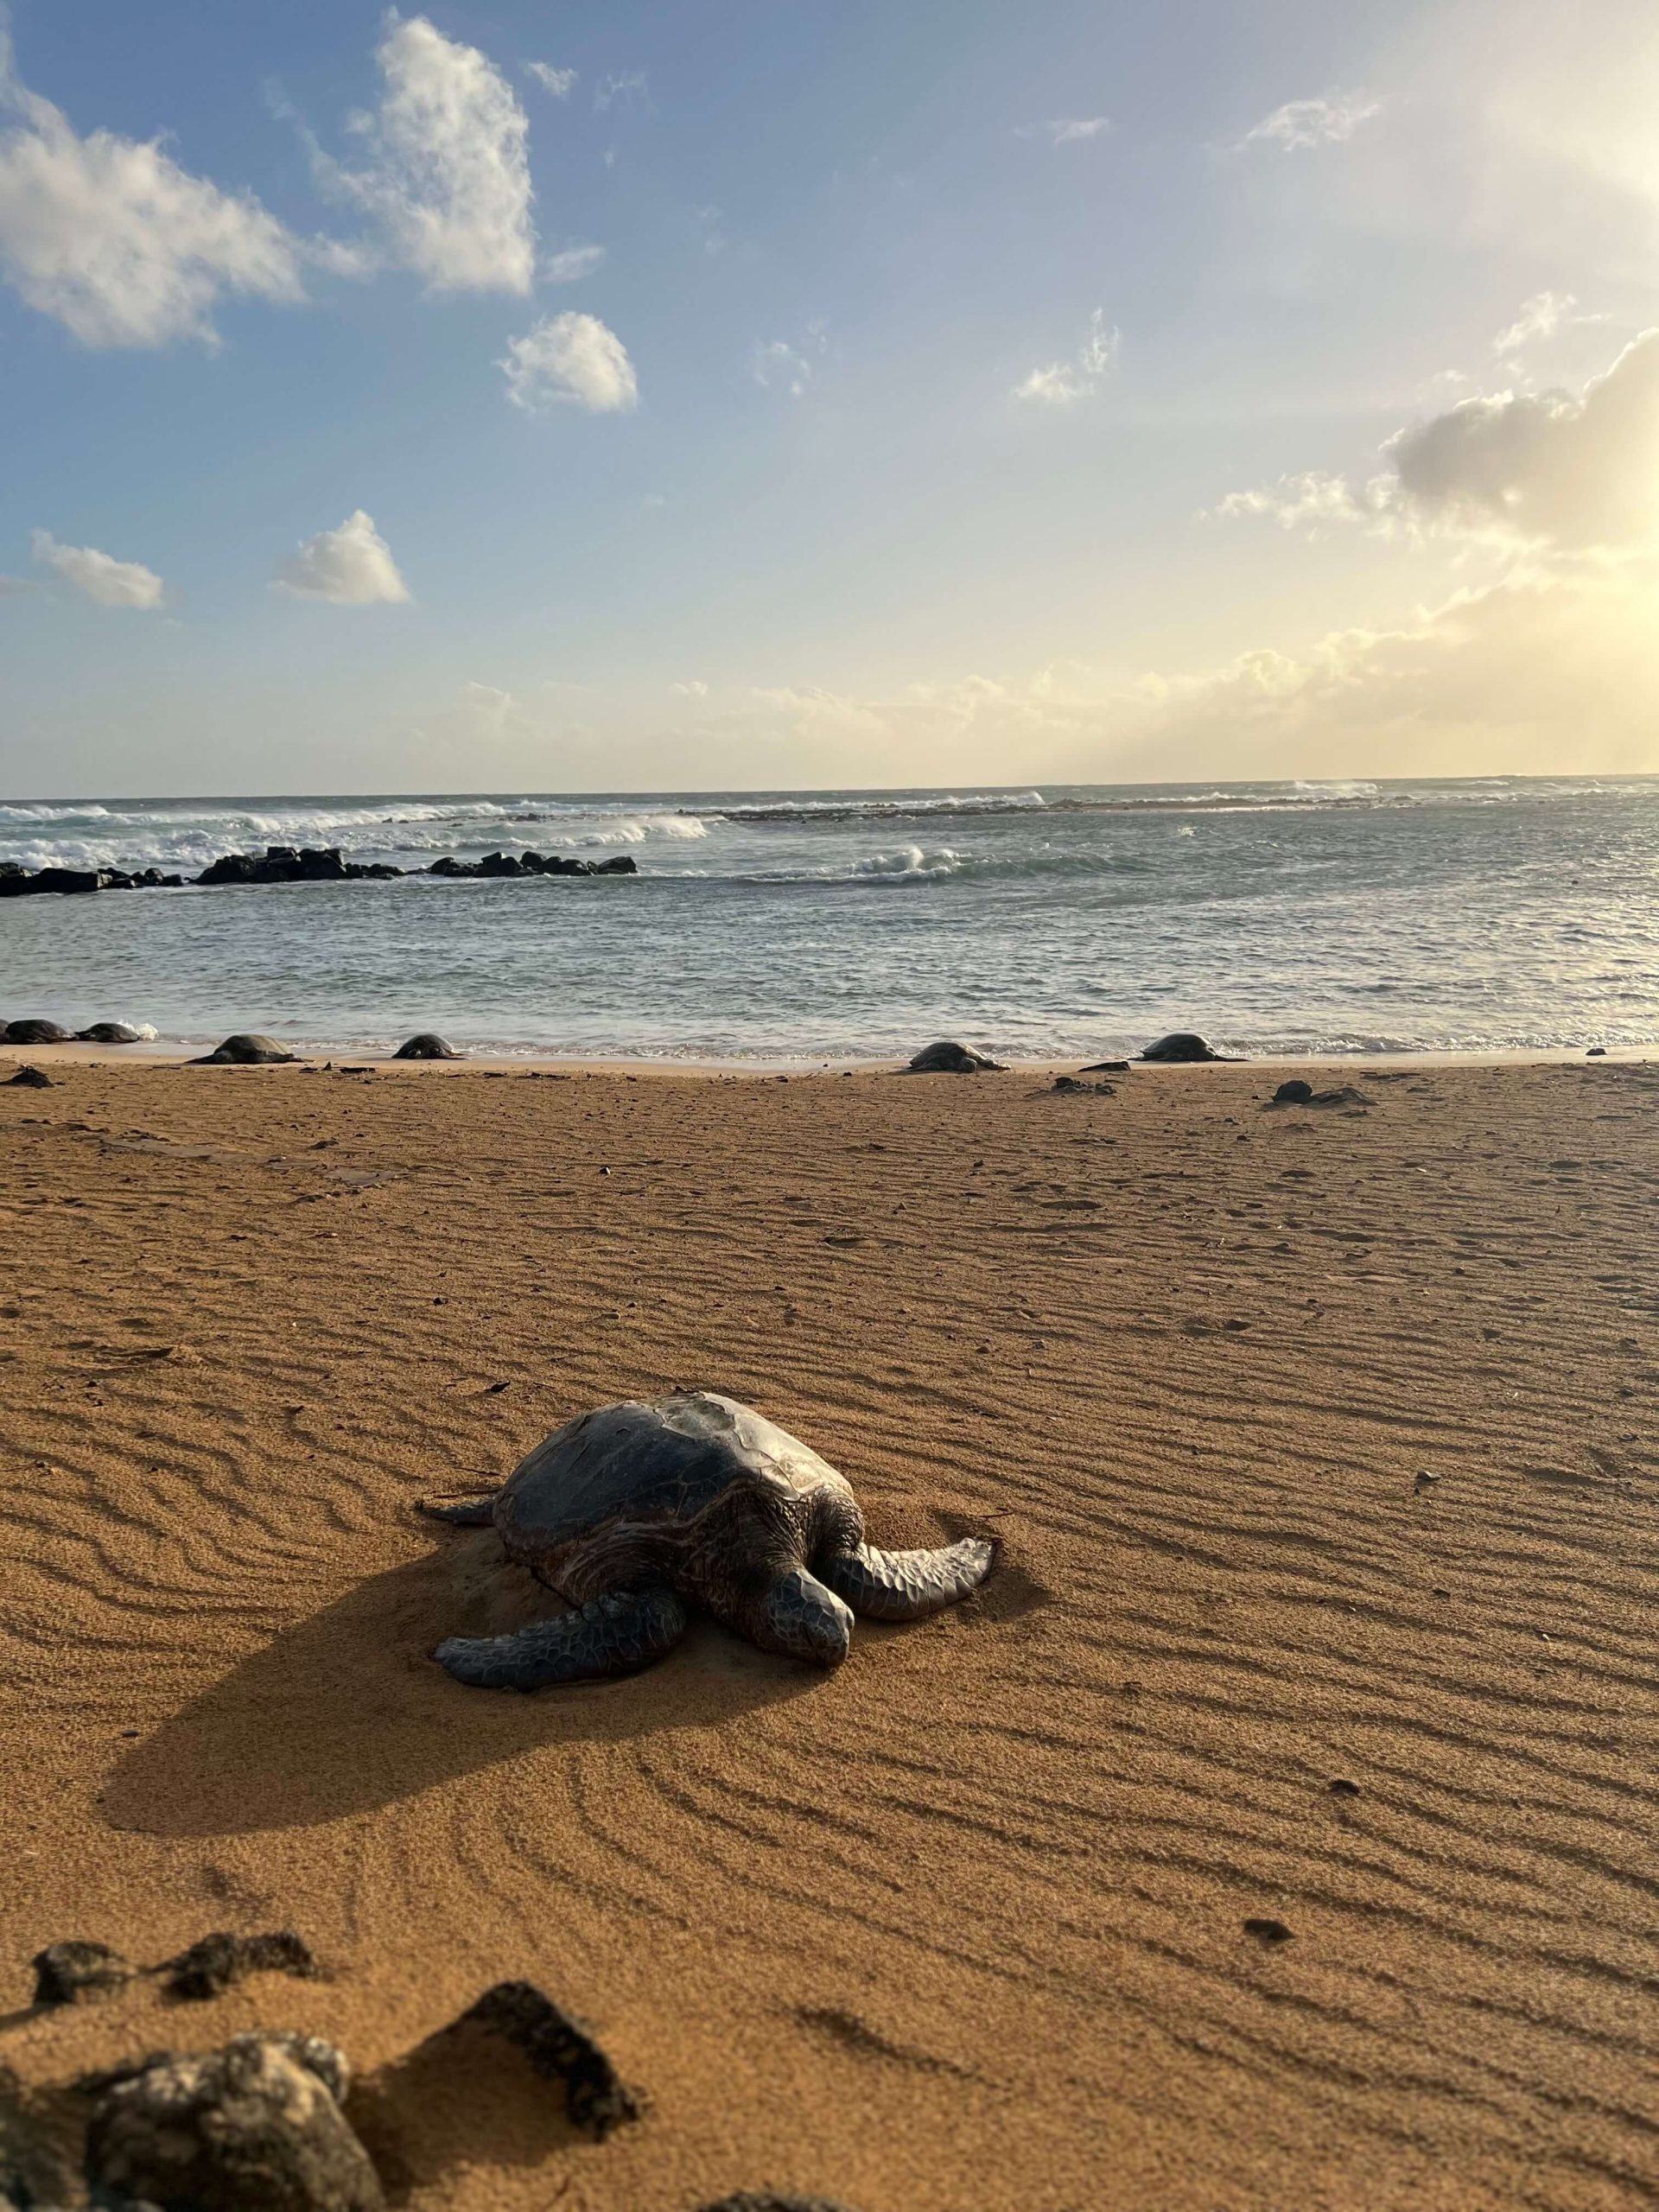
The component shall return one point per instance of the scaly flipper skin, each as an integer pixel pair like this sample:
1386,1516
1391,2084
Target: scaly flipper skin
460,1513
616,1634
905,1585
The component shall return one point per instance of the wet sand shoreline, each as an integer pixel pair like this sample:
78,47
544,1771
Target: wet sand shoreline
1321,1447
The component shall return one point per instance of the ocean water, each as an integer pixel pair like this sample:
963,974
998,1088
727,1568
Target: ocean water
1473,916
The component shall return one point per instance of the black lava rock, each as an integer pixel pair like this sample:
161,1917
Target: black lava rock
30,1079
559,2048
1296,1092
518,864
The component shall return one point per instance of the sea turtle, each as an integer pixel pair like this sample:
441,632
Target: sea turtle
108,1033
245,1050
948,1057
630,1511
1181,1045
429,1045
36,1031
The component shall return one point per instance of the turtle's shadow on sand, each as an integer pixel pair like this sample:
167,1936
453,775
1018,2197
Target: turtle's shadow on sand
345,1713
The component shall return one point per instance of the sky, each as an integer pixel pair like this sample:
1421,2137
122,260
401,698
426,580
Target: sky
706,394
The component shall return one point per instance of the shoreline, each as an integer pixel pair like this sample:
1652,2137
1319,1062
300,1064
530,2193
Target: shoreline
158,1053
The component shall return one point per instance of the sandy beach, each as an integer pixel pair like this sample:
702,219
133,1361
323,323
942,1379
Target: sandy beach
1321,1445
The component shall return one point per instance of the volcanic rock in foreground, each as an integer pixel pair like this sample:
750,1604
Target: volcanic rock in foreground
254,2127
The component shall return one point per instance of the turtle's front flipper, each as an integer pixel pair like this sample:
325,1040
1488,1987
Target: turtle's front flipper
616,1634
460,1513
905,1585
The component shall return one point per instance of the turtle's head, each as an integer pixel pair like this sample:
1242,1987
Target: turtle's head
796,1614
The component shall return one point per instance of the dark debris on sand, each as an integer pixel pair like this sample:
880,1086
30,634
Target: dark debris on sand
73,1973
766,2200
218,1962
80,1973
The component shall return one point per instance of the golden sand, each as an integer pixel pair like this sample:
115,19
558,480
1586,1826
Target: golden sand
1321,1445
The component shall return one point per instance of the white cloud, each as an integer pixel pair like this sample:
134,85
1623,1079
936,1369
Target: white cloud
626,91
1079,128
1062,383
1301,502
116,240
1495,680
1544,467
447,179
350,567
1540,317
488,710
96,576
570,357
1325,121
571,265
778,364
1539,469
560,82
693,688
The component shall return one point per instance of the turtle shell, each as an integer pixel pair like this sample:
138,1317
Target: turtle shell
1181,1045
650,1466
34,1031
429,1045
248,1049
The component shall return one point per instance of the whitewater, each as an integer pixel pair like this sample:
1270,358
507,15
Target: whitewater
1496,915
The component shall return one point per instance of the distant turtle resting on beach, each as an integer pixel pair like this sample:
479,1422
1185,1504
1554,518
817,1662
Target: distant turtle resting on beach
246,1050
948,1057
429,1045
630,1511
1182,1045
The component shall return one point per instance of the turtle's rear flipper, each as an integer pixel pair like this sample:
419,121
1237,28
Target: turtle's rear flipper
460,1512
905,1585
616,1634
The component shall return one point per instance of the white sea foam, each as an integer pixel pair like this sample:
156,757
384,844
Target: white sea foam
909,860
